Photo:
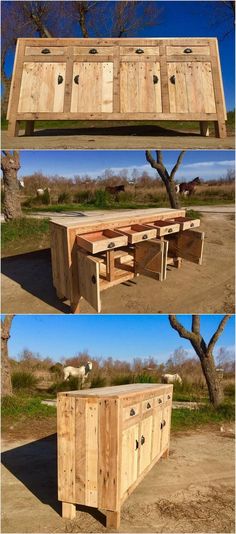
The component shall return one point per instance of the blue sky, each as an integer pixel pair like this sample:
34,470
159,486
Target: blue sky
116,336
188,19
206,164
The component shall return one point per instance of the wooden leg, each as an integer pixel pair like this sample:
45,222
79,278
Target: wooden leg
113,519
177,262
220,129
204,129
166,454
13,128
29,127
68,510
60,295
75,306
110,265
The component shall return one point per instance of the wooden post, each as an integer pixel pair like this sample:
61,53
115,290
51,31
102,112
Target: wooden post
29,127
68,510
110,265
204,128
220,129
177,262
13,128
113,519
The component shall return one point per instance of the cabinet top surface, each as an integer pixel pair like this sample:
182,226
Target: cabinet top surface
83,221
119,391
121,40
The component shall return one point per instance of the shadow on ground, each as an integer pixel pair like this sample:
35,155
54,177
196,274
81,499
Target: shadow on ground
138,131
32,271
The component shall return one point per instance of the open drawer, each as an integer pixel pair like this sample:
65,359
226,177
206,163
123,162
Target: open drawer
186,223
138,232
165,227
102,240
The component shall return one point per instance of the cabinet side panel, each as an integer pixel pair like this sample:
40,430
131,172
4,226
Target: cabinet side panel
59,258
108,454
66,448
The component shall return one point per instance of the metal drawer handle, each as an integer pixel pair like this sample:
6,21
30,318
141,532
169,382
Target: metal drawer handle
59,79
188,51
172,79
142,440
160,401
139,51
168,397
191,225
148,406
170,230
155,79
76,79
45,51
136,444
93,279
111,245
93,51
145,236
132,412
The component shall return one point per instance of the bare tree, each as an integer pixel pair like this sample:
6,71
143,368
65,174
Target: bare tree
6,385
167,178
205,353
10,164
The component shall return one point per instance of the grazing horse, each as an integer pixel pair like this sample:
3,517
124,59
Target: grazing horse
114,190
188,188
171,379
79,372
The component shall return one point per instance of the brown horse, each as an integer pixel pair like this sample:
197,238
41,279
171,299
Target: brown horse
188,188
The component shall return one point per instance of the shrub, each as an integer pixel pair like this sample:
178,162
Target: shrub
98,381
72,384
229,390
64,198
83,197
144,378
102,199
120,380
23,380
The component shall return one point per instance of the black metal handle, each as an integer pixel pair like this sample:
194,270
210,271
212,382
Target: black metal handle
145,236
155,78
160,401
139,51
164,423
132,412
76,79
191,225
172,79
188,51
170,230
93,51
136,444
45,51
161,425
168,397
93,279
59,79
142,440
111,245
148,406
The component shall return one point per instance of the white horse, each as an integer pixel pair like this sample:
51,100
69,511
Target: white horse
171,379
78,372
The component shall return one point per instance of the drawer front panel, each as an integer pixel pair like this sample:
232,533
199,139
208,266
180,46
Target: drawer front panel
130,412
165,227
139,51
188,50
138,232
45,51
93,51
186,224
100,241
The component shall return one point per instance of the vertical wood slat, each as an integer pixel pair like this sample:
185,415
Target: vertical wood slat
164,80
69,80
80,450
116,80
218,90
16,85
66,448
108,455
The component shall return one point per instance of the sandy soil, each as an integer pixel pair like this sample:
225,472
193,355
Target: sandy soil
129,137
27,282
192,491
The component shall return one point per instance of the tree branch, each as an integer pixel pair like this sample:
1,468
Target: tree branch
175,168
183,332
196,324
217,333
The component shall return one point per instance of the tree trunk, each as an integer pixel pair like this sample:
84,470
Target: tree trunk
6,385
11,205
214,383
6,93
170,188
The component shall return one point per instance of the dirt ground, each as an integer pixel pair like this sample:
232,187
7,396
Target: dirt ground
27,281
117,137
192,491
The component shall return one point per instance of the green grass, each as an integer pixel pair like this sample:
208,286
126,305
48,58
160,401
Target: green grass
184,419
23,380
21,229
18,406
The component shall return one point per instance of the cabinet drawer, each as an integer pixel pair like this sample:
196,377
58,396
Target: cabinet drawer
185,223
130,412
148,405
138,232
93,50
139,51
45,50
188,50
165,227
100,241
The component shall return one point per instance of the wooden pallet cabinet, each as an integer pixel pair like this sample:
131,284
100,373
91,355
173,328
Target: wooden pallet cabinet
117,79
92,254
108,440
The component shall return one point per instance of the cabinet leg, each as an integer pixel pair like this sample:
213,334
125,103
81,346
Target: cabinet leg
113,519
29,127
166,454
68,510
60,295
177,262
204,129
75,306
220,129
110,265
13,128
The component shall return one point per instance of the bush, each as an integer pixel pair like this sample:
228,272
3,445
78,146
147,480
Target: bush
120,380
229,390
144,378
102,199
64,198
83,197
23,380
72,384
98,381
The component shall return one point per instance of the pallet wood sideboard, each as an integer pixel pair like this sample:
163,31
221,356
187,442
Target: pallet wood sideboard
108,440
117,79
91,254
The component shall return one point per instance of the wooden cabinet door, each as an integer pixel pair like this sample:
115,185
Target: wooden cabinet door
92,87
156,432
191,88
140,87
165,431
88,274
42,87
188,245
150,259
129,457
145,443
